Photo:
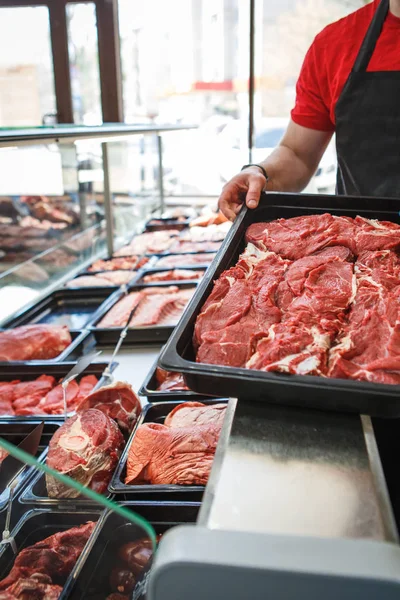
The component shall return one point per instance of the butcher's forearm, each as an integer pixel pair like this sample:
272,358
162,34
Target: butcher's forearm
287,172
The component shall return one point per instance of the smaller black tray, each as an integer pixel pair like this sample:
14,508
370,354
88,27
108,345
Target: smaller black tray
159,224
91,576
156,334
73,308
29,372
155,413
148,388
36,525
81,343
153,270
14,433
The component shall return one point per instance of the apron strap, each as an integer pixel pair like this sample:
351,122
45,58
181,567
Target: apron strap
372,35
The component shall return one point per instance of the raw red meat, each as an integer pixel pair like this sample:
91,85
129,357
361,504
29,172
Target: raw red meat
51,559
130,263
103,279
185,260
153,242
191,414
166,455
179,452
331,311
168,381
181,247
156,306
86,448
118,401
33,342
175,275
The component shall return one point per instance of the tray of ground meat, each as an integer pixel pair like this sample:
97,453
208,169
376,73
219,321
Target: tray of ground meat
171,450
301,308
120,558
161,385
158,309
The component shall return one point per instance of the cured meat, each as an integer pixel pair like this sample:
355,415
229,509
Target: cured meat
52,559
331,310
86,448
182,246
168,381
180,452
33,342
118,401
130,263
174,275
42,396
153,242
155,306
185,260
208,219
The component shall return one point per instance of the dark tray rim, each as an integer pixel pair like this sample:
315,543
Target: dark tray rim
117,487
171,358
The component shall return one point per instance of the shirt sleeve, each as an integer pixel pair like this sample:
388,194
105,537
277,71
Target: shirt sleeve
311,109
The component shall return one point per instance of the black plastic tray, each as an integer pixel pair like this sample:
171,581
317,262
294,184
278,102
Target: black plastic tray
15,432
29,372
153,270
156,334
155,413
292,390
74,308
36,525
91,576
148,388
81,343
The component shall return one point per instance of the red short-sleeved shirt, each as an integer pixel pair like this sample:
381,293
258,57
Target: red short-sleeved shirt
330,59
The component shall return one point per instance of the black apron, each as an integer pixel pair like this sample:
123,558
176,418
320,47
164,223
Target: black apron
368,124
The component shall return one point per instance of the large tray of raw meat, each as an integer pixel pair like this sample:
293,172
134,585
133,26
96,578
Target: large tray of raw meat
30,373
74,308
154,413
81,343
15,433
154,333
100,572
326,393
150,388
36,526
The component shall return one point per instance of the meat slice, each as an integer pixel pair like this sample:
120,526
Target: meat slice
185,260
86,448
166,455
6,397
51,558
174,275
376,235
53,403
31,587
33,342
118,401
161,309
192,414
368,347
168,381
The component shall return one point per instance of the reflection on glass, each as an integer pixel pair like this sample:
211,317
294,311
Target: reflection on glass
84,63
26,67
190,64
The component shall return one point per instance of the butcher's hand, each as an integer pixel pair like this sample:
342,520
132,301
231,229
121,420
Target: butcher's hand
246,186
